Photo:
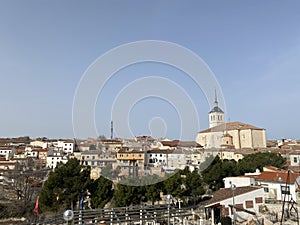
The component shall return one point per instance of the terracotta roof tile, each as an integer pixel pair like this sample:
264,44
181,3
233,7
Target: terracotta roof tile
280,176
231,126
226,193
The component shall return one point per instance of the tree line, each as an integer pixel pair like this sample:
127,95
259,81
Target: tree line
65,186
67,182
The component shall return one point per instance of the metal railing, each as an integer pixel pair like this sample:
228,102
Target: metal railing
143,215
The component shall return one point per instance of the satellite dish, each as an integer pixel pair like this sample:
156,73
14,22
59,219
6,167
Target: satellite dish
68,215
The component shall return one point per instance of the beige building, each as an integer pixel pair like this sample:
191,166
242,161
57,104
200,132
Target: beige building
236,135
242,136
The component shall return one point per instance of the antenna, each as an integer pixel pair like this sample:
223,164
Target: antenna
216,99
111,129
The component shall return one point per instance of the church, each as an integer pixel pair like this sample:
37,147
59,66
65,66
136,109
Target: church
235,135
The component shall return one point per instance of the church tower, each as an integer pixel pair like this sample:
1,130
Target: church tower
216,115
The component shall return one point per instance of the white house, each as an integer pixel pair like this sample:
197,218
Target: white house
39,143
240,181
67,146
97,159
54,157
245,200
6,152
295,158
157,157
179,159
279,185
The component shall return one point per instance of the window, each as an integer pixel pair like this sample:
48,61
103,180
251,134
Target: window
285,190
140,155
225,211
266,189
238,207
259,200
295,159
249,204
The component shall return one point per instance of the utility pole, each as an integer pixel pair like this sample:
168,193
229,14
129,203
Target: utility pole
111,129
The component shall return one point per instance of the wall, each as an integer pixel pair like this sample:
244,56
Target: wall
243,200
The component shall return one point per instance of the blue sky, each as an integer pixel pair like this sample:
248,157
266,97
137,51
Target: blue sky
252,47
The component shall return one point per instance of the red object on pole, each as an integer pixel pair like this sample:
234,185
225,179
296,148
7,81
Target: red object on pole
36,208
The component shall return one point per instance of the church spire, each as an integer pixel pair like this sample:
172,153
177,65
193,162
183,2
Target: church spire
216,99
216,115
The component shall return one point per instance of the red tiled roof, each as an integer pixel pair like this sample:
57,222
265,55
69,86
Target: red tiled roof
279,176
226,193
273,168
20,150
173,143
42,150
7,162
231,126
111,141
188,144
158,151
294,152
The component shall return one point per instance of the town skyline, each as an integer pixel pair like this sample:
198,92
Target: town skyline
252,48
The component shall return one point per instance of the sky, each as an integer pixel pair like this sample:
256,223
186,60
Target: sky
252,49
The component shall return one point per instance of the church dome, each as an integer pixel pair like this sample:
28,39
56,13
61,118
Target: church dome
216,109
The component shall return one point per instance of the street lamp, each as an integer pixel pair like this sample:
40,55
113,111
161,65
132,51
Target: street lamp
169,199
233,187
68,215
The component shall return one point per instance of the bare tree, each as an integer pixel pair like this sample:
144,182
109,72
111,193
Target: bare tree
23,185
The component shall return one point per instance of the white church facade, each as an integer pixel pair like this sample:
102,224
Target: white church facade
236,135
